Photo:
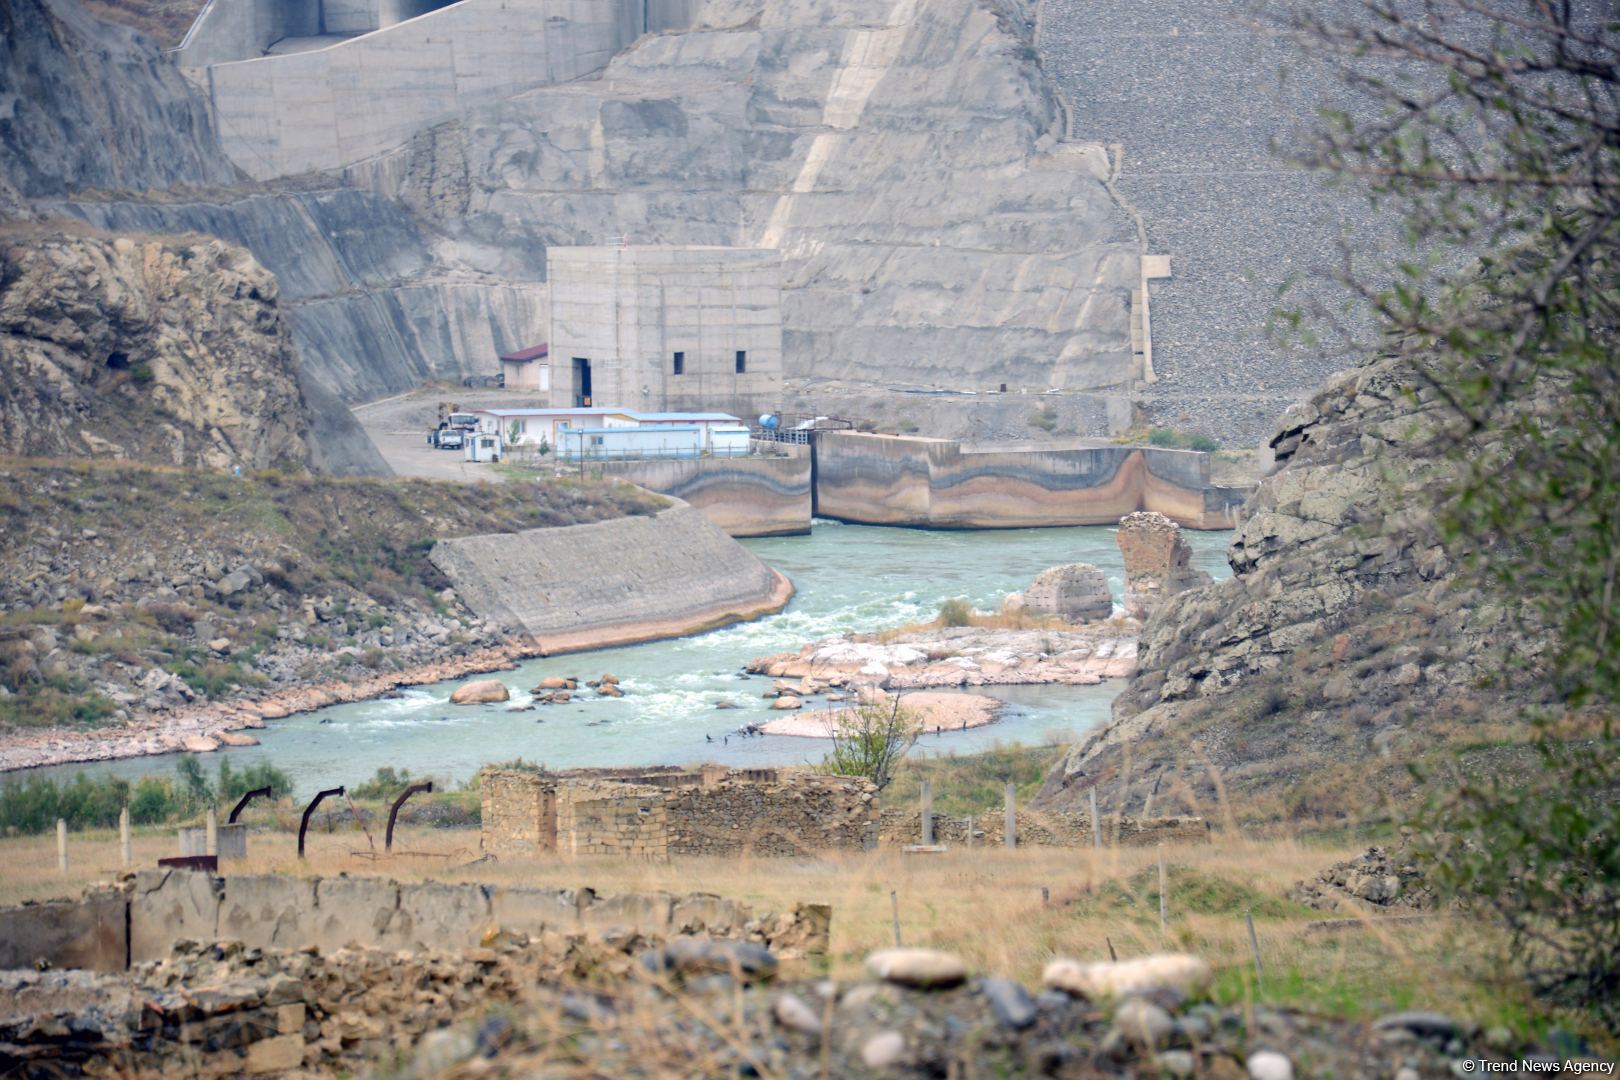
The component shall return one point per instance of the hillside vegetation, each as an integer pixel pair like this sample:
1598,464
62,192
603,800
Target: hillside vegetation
127,587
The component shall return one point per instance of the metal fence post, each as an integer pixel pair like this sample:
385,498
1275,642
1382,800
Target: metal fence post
1009,829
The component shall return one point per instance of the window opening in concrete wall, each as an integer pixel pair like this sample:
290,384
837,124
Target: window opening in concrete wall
742,361
680,363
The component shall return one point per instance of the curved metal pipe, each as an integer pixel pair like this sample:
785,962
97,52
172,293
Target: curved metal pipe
249,797
303,825
388,840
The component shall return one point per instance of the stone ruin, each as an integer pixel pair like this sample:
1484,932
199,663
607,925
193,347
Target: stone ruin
1043,828
266,974
1076,593
1158,562
658,813
1380,879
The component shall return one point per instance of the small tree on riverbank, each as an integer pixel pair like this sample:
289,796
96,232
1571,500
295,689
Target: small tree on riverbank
870,739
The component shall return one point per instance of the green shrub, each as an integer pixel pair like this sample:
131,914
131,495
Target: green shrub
955,612
1203,443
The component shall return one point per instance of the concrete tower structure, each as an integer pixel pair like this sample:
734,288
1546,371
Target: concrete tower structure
666,328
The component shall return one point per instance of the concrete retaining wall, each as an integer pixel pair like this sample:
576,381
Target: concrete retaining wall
613,582
282,115
91,933
1044,828
275,911
901,480
752,496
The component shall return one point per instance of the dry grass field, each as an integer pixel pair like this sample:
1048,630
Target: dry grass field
1004,911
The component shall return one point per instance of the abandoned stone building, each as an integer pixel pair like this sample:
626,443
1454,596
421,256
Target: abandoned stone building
658,813
665,327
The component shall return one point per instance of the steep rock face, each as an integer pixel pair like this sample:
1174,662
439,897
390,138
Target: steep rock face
89,104
167,351
1343,637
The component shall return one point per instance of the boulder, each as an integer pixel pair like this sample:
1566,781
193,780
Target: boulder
925,969
1104,980
480,692
235,738
552,682
199,744
1077,592
787,701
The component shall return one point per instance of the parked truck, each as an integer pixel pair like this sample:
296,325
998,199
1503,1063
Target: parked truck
453,427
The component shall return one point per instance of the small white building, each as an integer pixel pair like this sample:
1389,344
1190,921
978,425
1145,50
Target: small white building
559,430
482,446
631,443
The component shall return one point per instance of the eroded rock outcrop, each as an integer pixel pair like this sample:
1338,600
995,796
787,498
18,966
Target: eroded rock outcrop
1344,644
1158,562
170,351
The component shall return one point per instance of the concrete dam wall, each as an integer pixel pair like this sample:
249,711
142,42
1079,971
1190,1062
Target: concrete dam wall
352,99
613,582
900,480
752,496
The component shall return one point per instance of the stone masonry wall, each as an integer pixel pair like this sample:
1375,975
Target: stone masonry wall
608,818
1047,828
799,815
714,811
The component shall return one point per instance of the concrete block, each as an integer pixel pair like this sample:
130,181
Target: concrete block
441,916
90,934
268,911
533,910
232,841
356,911
171,905
645,913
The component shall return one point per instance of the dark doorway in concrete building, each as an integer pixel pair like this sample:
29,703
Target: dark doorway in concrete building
582,382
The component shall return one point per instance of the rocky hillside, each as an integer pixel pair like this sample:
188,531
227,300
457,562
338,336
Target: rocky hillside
171,351
94,105
1343,646
127,590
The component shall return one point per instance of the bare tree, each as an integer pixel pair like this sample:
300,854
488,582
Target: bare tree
870,738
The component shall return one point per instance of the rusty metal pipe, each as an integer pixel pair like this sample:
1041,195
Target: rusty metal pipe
388,840
303,826
249,797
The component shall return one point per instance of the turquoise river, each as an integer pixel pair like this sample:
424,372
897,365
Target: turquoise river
848,577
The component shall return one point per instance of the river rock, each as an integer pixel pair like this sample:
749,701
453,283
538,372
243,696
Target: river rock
1167,971
608,689
235,738
480,692
923,968
787,701
1269,1065
1143,1023
1010,1002
882,1050
553,682
791,1011
199,744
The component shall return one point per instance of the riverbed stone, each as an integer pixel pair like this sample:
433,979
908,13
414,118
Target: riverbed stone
1098,981
1010,1002
480,692
922,968
1269,1065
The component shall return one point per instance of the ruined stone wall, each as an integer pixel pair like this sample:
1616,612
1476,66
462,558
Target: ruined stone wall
799,815
897,480
609,818
518,815
1038,828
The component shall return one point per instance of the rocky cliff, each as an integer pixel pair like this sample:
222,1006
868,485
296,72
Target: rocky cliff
170,351
88,104
1343,646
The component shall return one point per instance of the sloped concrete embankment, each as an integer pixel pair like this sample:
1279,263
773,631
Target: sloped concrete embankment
899,480
754,496
110,929
614,582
